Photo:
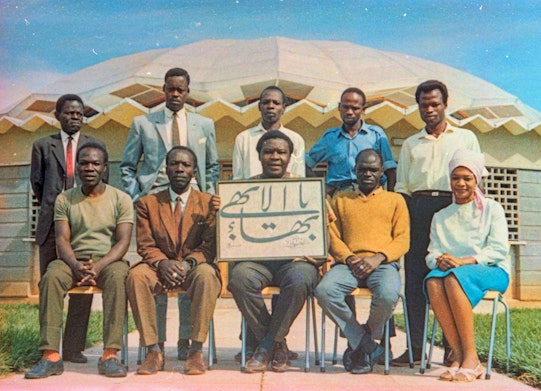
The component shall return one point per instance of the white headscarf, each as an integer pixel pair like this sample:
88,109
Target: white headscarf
475,162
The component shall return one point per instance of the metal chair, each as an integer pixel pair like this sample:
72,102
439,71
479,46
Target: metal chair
496,297
212,359
94,290
310,307
366,293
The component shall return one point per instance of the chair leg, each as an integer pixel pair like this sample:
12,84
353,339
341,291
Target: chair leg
508,330
425,337
492,335
386,352
432,342
211,350
243,345
335,349
307,338
322,361
124,352
408,334
314,324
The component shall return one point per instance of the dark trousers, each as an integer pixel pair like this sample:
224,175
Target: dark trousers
421,209
78,307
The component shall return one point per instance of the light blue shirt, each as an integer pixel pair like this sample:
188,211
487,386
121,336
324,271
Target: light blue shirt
339,150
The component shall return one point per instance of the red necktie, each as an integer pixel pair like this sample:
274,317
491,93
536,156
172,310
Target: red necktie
69,164
175,130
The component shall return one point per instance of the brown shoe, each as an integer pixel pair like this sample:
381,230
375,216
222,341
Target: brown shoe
194,363
280,357
153,363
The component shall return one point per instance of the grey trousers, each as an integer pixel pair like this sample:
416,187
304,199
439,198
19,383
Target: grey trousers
296,281
384,282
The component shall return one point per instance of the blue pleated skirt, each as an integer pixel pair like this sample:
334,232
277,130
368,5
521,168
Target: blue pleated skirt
475,280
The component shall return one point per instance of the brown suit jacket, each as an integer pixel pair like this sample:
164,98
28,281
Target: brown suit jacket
155,229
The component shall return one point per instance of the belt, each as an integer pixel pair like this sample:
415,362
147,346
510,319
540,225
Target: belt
433,193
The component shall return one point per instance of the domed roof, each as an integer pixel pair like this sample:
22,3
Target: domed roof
232,73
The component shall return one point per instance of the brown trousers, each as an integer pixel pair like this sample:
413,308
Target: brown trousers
203,286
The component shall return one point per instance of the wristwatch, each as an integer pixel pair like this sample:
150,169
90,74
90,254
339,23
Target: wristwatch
191,261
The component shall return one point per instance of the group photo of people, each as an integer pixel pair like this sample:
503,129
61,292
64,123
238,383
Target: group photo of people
426,213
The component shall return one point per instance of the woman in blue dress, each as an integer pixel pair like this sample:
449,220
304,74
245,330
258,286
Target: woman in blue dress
468,255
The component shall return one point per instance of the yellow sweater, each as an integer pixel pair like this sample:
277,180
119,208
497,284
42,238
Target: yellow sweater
366,225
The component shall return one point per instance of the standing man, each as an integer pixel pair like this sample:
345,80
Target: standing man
52,171
176,237
423,179
151,136
93,225
339,147
367,256
246,162
296,278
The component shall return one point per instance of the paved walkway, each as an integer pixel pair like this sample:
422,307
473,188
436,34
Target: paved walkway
226,375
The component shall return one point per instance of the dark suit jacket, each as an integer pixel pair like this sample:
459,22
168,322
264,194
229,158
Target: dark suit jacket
48,175
156,228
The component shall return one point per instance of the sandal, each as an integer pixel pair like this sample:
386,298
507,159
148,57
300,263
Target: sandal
449,374
469,375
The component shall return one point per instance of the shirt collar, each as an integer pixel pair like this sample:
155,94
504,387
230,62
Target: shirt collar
260,128
448,129
363,129
183,197
170,113
378,190
64,136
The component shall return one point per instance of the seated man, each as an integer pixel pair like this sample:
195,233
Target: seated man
370,234
296,279
93,225
176,237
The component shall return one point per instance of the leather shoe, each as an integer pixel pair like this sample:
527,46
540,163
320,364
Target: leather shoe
259,361
404,359
348,359
182,352
111,368
194,363
365,361
292,355
45,368
76,357
249,354
280,357
153,363
448,356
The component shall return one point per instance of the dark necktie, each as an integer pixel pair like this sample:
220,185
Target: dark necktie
175,130
70,172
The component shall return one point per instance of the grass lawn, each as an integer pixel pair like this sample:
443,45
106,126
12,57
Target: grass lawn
525,363
19,335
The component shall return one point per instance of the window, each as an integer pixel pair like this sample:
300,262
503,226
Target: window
502,186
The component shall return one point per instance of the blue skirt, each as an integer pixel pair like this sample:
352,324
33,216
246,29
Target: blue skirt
475,280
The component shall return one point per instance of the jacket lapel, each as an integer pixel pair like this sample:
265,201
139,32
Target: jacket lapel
188,213
57,149
166,215
160,128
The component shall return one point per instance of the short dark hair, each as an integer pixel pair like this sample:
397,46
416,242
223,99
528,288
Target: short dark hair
177,72
273,134
181,148
273,88
368,150
356,91
431,85
93,144
65,98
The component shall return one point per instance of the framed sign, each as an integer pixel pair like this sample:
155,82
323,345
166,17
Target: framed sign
273,219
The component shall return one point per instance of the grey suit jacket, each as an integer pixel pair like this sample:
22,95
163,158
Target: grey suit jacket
48,176
148,138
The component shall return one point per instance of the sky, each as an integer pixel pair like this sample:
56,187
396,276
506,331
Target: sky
498,41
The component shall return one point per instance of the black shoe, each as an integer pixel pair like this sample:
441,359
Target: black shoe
448,356
259,361
404,359
348,359
182,350
249,354
365,362
45,368
111,368
280,357
76,357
